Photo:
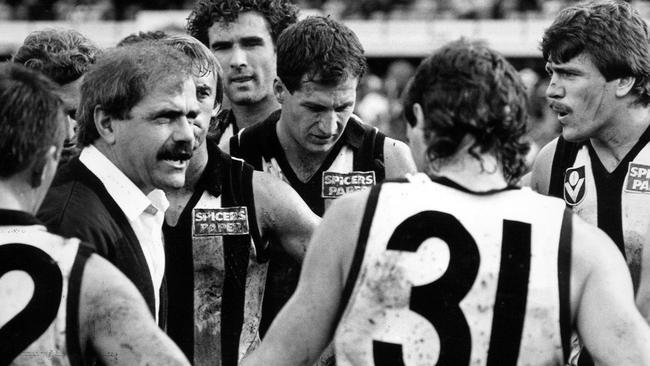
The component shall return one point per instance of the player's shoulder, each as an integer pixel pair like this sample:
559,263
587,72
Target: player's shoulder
103,283
393,146
271,192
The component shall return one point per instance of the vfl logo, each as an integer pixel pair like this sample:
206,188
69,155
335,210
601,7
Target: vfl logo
574,185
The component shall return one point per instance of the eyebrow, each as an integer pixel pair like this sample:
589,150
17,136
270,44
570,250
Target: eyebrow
564,68
252,39
171,113
317,105
220,43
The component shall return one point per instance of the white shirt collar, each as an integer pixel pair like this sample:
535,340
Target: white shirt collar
123,191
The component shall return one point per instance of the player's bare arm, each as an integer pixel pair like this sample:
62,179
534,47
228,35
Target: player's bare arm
540,177
397,159
283,214
602,301
643,297
305,325
115,320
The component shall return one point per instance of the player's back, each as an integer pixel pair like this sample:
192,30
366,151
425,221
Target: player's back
445,276
36,289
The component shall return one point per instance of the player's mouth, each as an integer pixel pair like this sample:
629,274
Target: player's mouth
177,164
561,110
241,78
322,139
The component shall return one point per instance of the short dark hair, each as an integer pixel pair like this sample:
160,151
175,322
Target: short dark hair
467,88
140,37
611,33
122,77
279,14
31,118
322,49
63,55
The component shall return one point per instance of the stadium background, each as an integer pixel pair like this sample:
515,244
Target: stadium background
395,33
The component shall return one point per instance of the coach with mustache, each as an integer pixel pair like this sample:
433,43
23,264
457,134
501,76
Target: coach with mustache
135,129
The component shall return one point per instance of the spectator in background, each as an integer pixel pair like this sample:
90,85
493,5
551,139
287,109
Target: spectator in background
242,34
398,74
64,55
373,107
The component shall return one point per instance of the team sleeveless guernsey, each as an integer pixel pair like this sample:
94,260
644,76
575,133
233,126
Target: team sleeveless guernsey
40,279
355,162
217,267
616,202
445,276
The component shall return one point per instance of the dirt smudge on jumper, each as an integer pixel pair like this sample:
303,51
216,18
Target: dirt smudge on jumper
209,274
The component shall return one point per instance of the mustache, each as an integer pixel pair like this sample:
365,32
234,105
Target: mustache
179,151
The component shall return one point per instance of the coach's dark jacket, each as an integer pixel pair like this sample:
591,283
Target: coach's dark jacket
78,205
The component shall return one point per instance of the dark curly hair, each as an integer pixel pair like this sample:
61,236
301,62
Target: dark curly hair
279,14
319,48
467,88
612,33
142,37
63,55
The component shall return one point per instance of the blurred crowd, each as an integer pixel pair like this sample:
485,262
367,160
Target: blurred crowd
81,10
379,94
379,103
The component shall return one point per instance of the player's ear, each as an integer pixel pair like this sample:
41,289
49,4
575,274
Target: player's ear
624,85
418,112
104,125
279,89
43,169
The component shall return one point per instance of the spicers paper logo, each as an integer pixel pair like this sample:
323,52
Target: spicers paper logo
220,221
338,184
574,185
638,178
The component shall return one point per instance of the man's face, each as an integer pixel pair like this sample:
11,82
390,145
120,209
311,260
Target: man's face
315,115
70,94
581,97
153,145
247,54
206,93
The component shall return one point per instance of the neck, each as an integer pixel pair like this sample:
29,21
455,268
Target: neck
477,175
17,197
621,134
247,115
